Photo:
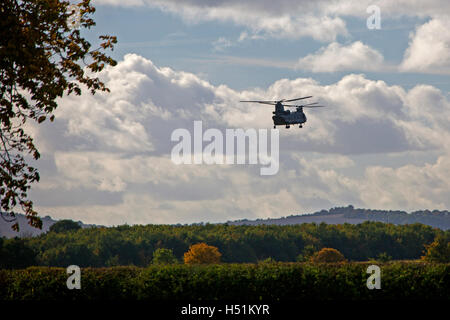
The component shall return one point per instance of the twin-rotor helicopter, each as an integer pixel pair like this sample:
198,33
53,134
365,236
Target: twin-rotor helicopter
282,117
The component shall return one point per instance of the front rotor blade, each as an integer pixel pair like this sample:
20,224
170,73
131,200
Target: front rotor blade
313,106
263,102
296,99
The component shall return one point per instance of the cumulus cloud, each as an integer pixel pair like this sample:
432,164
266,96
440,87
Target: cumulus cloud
116,148
429,48
337,57
409,186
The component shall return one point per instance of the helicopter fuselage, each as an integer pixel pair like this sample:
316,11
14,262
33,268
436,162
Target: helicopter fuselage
286,117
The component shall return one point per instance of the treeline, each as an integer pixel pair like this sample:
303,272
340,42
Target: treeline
435,218
135,245
243,282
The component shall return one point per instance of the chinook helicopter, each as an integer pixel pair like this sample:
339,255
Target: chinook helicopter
287,118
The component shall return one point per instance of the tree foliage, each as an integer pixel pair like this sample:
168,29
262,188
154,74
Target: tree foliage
163,256
383,257
41,59
15,253
64,225
439,249
135,245
201,253
328,255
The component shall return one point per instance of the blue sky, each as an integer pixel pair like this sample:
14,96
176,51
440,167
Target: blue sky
382,143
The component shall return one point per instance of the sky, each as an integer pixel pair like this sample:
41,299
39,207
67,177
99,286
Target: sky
383,142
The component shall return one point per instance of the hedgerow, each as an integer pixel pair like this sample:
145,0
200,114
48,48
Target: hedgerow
265,281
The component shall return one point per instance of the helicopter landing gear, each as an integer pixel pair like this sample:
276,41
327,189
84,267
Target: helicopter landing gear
274,127
300,126
287,126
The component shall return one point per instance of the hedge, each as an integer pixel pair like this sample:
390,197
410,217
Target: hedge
274,281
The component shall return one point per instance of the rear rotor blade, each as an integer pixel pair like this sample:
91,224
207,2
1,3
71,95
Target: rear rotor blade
296,105
309,105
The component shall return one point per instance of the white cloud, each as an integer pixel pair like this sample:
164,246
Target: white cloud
409,187
99,170
119,167
427,118
337,57
429,48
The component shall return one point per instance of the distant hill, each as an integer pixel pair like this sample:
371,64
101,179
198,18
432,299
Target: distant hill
26,230
436,219
340,215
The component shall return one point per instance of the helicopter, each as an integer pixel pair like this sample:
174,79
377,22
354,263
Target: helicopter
286,117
